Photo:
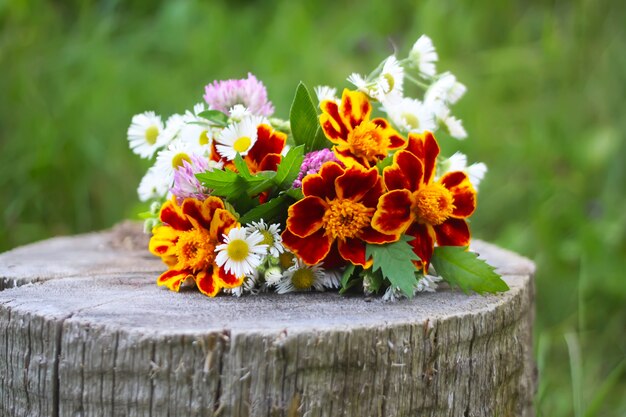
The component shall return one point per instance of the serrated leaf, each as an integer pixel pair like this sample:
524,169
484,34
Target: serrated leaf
395,261
305,127
289,168
464,269
347,274
270,211
241,166
215,116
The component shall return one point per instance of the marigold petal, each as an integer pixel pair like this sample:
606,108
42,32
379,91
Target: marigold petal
393,213
348,158
268,142
173,278
322,184
405,172
311,249
370,199
194,210
227,279
453,232
163,241
463,193
353,250
371,235
221,223
333,259
270,162
305,216
172,215
423,243
333,126
396,141
207,284
426,148
356,182
355,108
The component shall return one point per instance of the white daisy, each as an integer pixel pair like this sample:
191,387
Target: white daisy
172,127
386,86
423,56
249,285
410,115
271,236
196,130
458,162
239,112
302,277
446,89
153,186
273,275
240,254
172,158
324,92
453,125
144,134
238,137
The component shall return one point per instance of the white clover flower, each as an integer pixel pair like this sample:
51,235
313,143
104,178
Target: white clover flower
446,89
410,115
423,56
145,134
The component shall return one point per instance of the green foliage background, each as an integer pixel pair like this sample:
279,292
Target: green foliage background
545,110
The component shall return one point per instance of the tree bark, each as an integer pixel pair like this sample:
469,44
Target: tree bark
85,331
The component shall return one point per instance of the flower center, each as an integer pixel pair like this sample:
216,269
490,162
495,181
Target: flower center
433,204
177,160
411,120
345,218
151,135
242,144
238,250
194,250
204,138
303,279
268,238
286,259
390,82
366,141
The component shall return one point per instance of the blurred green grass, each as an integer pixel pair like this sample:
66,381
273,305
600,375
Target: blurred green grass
545,110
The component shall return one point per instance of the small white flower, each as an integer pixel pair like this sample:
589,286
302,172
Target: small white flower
324,92
172,127
453,125
386,86
240,254
271,236
393,294
446,89
153,186
458,162
249,285
238,137
427,283
196,130
238,112
302,277
273,275
410,115
172,158
423,56
144,134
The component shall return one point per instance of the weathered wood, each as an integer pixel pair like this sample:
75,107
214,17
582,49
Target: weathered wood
86,332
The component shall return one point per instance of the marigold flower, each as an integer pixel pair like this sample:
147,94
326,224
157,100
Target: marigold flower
430,211
357,139
334,217
187,240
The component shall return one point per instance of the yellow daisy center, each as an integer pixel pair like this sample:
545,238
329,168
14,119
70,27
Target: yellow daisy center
411,120
151,134
345,218
286,259
194,250
303,279
367,141
242,144
177,160
268,237
204,138
238,250
433,203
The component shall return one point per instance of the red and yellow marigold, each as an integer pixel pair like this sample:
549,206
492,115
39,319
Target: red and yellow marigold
430,211
356,138
186,243
332,223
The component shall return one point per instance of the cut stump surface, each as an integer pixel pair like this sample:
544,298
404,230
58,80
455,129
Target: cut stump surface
85,331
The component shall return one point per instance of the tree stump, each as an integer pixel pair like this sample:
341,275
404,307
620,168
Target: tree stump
85,331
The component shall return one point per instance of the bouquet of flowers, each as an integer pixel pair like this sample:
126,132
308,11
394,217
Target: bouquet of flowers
348,193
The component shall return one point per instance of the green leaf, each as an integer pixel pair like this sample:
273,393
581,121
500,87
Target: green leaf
222,182
215,116
395,261
345,277
305,126
289,168
464,269
270,211
375,280
295,193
